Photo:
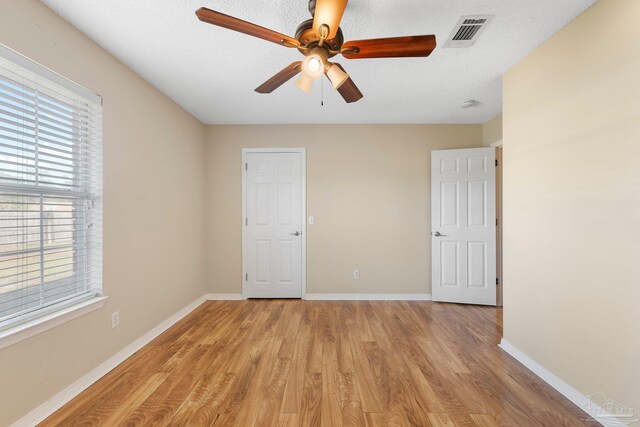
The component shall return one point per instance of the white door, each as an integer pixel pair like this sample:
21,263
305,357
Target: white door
463,226
274,218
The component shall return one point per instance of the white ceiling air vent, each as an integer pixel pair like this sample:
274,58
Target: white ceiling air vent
467,31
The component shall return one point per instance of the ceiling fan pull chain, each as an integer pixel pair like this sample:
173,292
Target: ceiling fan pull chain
322,92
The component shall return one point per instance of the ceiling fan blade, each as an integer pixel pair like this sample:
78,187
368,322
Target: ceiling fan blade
221,20
349,90
281,78
394,47
329,13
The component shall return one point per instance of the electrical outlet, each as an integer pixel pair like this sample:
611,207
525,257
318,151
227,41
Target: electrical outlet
115,319
356,274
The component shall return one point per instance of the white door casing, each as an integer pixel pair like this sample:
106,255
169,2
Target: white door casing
273,223
463,226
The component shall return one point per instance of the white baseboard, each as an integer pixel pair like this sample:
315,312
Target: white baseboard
335,297
368,297
59,400
223,297
578,399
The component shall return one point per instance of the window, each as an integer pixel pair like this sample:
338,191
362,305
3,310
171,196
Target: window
50,192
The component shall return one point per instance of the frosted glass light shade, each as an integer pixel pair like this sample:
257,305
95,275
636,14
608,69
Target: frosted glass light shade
337,76
305,83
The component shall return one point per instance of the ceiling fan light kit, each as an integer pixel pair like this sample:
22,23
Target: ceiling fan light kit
319,39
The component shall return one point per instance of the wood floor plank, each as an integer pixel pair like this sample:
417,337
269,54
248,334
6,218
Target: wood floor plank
344,345
451,420
270,406
289,420
331,398
352,413
259,388
292,398
161,406
387,419
280,363
484,420
135,399
311,412
366,383
203,404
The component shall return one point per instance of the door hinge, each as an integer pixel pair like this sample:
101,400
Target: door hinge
496,162
497,281
246,277
496,221
246,221
246,166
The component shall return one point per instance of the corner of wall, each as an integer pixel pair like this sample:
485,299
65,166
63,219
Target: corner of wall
492,131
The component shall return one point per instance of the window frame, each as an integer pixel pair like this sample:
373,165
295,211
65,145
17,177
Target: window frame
89,190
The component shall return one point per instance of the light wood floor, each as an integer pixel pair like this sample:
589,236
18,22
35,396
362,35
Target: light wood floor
306,363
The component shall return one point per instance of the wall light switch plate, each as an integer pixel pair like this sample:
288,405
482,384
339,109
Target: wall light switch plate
311,220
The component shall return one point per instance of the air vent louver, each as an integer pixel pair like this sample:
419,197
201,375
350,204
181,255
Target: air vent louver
467,30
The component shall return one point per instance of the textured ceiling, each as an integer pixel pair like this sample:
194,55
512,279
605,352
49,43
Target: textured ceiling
212,72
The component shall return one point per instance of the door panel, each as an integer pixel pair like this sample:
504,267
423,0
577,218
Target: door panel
477,264
450,211
476,203
274,214
463,226
285,207
450,261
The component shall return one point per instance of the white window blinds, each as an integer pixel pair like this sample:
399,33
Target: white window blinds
50,192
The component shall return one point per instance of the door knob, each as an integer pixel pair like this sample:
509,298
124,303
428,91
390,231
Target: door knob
437,234
297,233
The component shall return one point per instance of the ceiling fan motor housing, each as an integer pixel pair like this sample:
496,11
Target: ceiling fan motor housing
309,39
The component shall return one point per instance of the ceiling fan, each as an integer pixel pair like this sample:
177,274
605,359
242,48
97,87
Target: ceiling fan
320,39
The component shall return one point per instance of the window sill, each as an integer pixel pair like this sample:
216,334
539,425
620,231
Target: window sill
28,329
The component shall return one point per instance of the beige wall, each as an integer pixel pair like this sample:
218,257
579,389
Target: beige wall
154,213
492,131
572,203
367,187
